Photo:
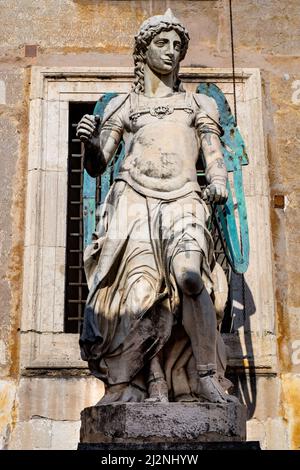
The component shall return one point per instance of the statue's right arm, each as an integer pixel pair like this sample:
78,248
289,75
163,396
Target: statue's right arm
99,144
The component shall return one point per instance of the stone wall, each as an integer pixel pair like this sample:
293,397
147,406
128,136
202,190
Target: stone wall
43,411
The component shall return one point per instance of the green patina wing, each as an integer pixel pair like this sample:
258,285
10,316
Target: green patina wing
233,214
94,191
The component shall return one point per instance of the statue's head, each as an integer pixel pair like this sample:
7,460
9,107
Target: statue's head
162,43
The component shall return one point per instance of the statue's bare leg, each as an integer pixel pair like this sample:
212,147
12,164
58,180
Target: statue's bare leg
200,324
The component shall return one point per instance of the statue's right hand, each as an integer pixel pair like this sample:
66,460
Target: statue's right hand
88,128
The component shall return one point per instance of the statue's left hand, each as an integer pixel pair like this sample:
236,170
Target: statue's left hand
215,192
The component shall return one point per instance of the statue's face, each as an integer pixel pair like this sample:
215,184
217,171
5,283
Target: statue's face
163,52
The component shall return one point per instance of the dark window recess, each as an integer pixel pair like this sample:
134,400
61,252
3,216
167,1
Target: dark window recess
76,287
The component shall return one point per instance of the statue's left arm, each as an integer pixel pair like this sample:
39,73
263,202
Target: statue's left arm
209,132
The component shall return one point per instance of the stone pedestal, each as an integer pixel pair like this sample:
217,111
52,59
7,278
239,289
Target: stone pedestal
162,423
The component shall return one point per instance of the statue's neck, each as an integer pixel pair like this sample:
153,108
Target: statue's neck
156,85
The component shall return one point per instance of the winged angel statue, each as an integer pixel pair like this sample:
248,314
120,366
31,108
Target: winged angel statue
156,292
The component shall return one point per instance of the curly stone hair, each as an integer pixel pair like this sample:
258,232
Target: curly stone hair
149,29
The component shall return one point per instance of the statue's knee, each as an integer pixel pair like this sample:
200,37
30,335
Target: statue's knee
190,282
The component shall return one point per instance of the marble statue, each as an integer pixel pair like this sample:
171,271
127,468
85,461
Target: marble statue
156,293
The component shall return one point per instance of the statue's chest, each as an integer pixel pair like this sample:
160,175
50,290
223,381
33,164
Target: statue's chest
176,109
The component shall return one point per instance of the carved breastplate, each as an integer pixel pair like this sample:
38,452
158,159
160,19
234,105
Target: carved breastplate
160,109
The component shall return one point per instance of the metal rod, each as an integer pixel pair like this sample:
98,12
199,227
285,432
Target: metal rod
232,61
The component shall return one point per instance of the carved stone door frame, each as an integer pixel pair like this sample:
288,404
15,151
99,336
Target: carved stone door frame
43,341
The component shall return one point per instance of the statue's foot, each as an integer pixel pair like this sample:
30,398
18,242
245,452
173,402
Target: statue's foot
113,394
158,391
186,398
225,383
123,393
210,390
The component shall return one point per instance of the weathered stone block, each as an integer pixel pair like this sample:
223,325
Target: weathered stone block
57,399
11,85
163,422
45,434
65,435
31,435
7,403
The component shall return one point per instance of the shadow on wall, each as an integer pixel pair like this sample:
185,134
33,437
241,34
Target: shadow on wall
243,376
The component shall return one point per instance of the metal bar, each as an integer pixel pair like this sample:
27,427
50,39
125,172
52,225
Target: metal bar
232,60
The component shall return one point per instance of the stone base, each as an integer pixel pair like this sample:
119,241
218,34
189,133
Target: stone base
179,423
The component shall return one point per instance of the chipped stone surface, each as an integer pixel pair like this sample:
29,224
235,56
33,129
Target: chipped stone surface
165,422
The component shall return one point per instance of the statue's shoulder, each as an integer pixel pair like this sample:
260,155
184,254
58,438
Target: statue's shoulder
114,105
207,104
